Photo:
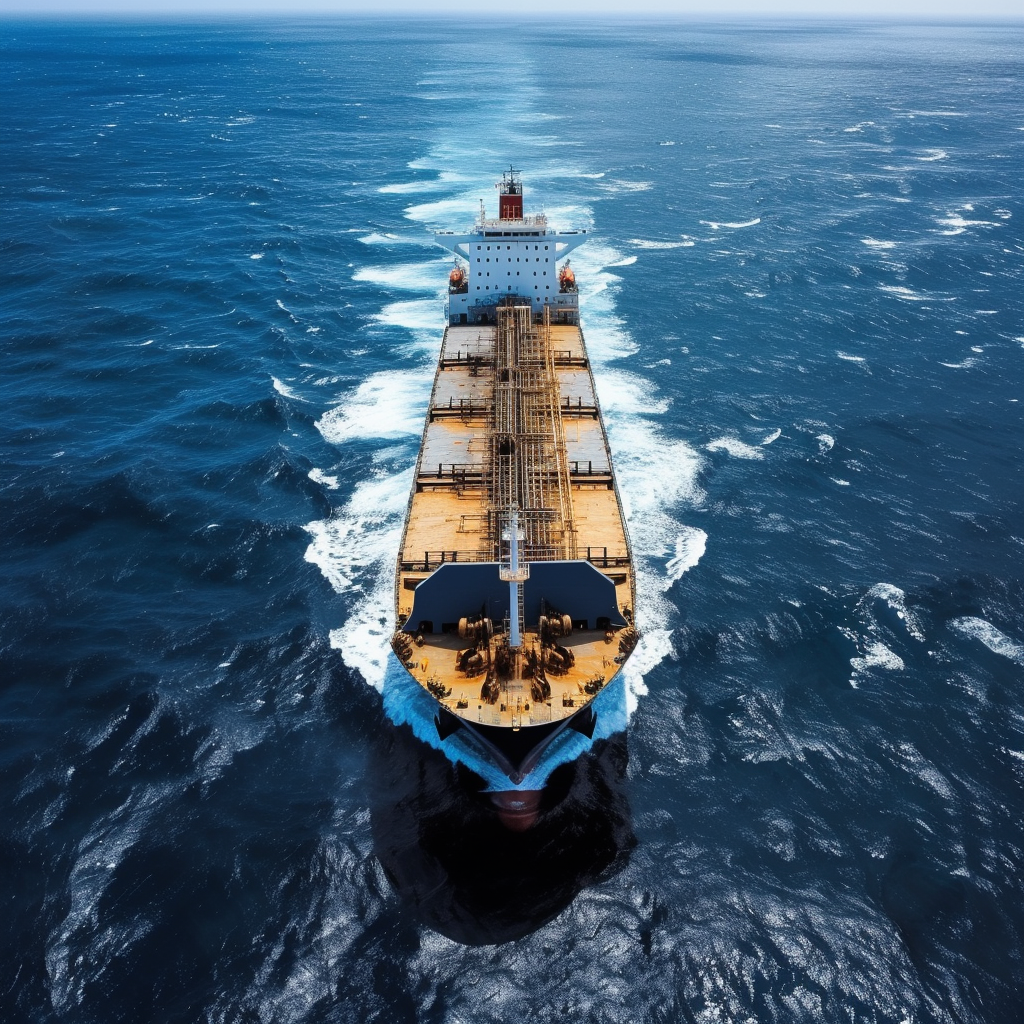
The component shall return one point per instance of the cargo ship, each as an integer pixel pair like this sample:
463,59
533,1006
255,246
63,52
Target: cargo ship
515,586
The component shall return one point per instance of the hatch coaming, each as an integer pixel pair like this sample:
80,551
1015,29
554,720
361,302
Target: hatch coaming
515,589
450,538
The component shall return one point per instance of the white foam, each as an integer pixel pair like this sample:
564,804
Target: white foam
387,404
318,476
735,447
840,482
643,243
717,225
995,640
621,392
454,210
933,154
965,365
285,391
909,295
356,550
689,549
412,277
256,256
773,436
957,225
877,244
627,261
615,186
896,599
851,359
876,655
403,188
826,442
424,317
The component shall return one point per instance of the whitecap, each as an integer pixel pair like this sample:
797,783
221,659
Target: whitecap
994,639
717,225
895,599
318,476
877,244
957,225
282,389
965,365
388,404
256,256
735,447
909,295
366,531
356,551
412,277
402,188
626,261
933,154
876,655
643,243
626,186
454,210
851,359
387,238
418,315
773,436
689,549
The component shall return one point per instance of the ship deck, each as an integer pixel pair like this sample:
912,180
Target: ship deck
524,386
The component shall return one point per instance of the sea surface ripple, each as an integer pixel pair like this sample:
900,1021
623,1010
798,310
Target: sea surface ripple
804,300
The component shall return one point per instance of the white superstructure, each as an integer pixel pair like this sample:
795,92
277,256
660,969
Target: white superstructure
511,255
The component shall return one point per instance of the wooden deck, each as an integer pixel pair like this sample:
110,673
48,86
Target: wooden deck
453,514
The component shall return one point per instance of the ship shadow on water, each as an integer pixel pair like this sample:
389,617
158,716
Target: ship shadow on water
465,873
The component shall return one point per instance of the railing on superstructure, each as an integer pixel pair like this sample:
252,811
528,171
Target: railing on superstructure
529,466
528,222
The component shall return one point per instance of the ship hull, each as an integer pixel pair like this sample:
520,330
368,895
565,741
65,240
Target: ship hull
514,585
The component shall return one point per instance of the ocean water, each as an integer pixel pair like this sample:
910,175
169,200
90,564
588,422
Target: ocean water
804,299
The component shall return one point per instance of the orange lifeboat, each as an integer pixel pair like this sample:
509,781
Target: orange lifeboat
566,279
457,280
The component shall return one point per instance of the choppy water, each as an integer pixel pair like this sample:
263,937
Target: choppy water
803,297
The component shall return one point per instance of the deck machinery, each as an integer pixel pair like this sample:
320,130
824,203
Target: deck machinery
515,585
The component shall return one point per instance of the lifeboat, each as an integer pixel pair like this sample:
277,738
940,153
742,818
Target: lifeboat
457,281
566,279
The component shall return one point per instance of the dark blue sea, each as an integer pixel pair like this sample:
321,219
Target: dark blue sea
803,295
